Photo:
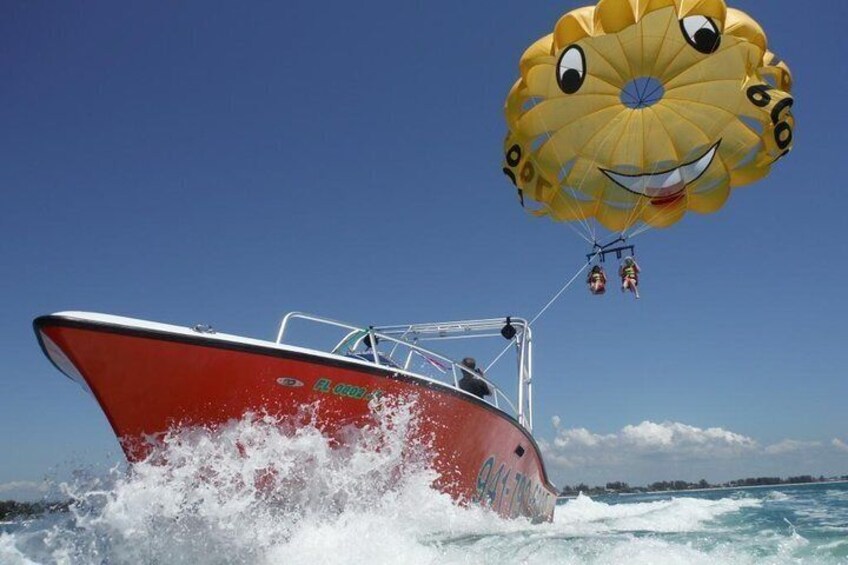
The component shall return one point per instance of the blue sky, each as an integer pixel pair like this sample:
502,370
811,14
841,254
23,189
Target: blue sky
226,163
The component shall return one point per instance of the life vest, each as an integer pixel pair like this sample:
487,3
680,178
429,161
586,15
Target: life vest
597,277
630,272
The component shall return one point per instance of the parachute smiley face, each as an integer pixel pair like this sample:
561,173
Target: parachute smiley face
637,111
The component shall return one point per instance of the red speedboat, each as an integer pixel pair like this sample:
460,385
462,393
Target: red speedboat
150,378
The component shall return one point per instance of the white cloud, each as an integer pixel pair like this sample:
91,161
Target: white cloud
580,437
674,436
650,451
20,490
839,444
650,437
791,446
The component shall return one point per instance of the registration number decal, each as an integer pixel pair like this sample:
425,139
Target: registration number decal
345,390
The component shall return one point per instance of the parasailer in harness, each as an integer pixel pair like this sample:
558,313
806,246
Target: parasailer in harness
597,280
629,273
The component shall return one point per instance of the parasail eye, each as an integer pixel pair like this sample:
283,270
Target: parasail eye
701,33
571,69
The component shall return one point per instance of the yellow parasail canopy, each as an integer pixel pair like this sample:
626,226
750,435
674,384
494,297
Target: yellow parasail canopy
633,112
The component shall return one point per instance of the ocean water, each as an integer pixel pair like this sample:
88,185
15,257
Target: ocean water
260,491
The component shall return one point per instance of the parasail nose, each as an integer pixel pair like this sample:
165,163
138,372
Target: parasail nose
642,92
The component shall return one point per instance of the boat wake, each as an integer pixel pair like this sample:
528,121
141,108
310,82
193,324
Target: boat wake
675,515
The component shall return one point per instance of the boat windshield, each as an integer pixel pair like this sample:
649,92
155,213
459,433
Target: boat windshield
368,356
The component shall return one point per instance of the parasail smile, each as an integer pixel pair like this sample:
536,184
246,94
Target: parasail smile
665,184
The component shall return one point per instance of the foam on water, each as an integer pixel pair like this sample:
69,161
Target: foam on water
666,516
11,555
265,491
778,496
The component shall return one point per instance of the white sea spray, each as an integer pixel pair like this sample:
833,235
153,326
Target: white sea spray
261,490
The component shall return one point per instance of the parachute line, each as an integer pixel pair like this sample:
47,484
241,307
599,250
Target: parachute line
543,310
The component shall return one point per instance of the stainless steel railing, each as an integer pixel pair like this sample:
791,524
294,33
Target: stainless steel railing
355,336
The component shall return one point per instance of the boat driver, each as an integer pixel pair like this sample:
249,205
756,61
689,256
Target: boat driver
470,382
